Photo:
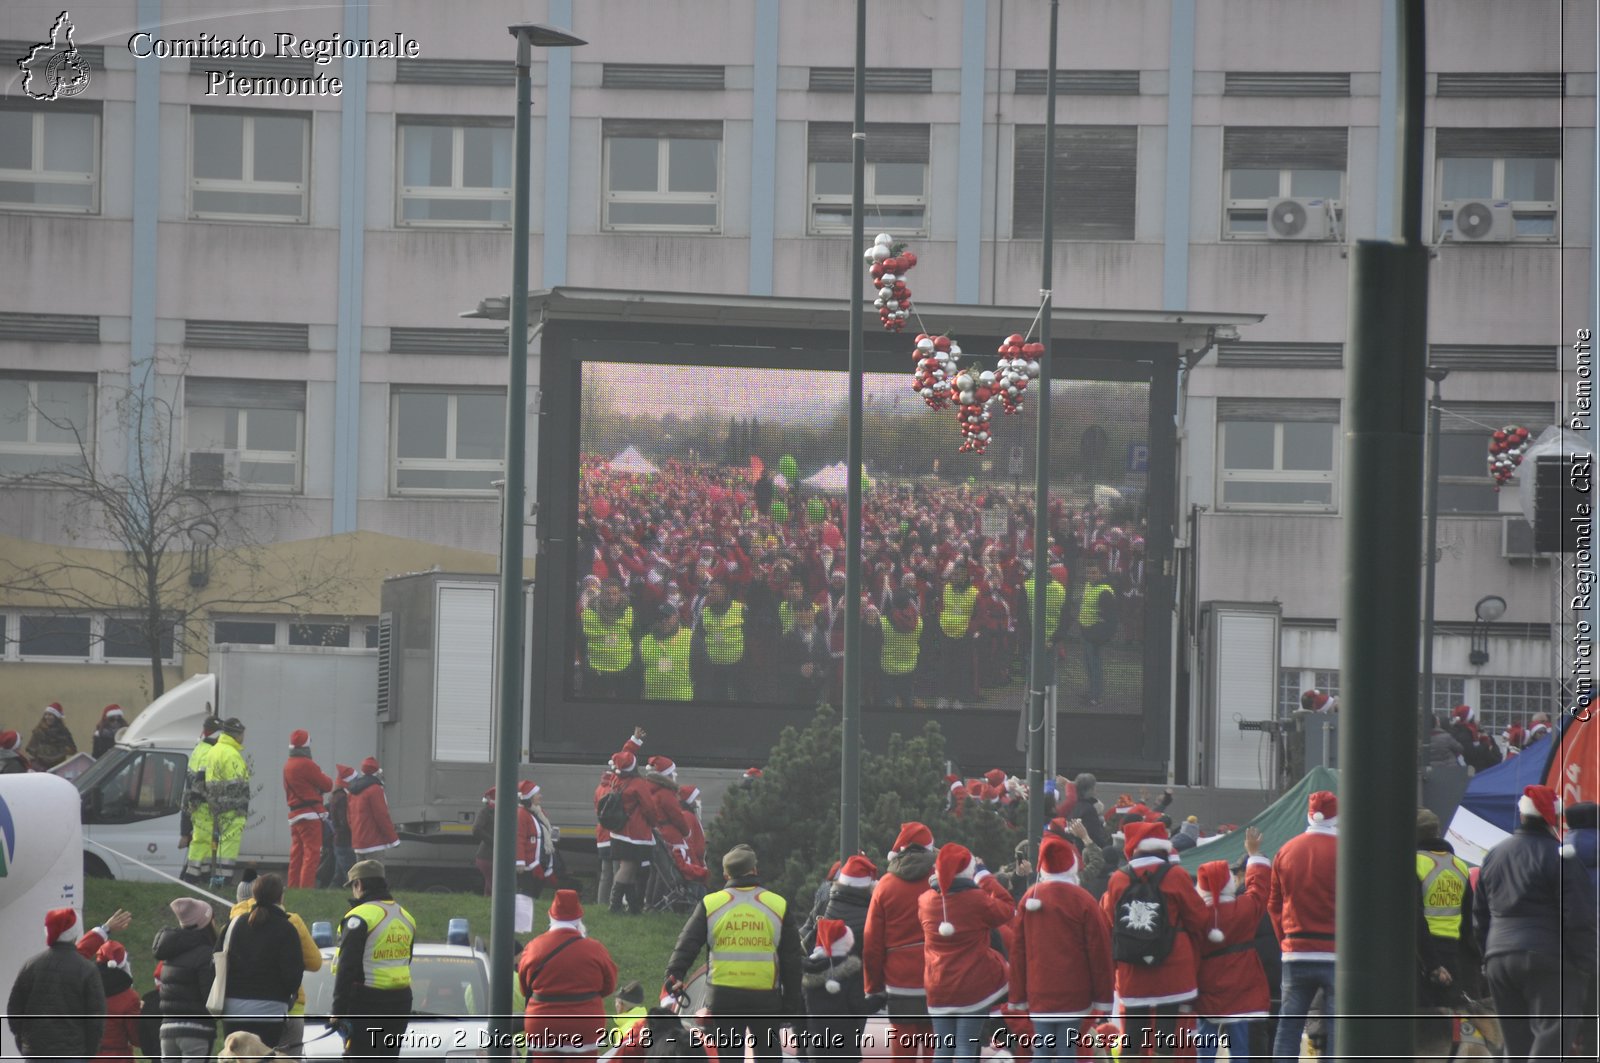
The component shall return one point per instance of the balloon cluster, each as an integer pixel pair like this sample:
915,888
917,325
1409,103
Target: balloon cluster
941,380
1506,448
937,357
1019,363
890,262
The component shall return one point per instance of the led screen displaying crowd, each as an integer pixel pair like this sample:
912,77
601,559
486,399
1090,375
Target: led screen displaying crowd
710,555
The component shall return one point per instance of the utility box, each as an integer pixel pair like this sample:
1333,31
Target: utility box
1238,725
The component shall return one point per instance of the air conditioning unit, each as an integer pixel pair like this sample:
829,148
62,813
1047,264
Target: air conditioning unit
1482,221
1298,219
214,470
1516,540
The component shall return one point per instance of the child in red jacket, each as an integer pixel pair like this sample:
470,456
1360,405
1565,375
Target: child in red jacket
122,1004
1233,987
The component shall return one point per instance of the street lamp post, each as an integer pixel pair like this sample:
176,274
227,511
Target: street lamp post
1431,535
502,915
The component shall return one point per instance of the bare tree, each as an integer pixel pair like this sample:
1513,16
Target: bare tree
178,552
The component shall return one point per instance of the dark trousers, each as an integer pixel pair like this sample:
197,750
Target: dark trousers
375,1031
898,689
833,1037
270,1032
720,682
606,686
1539,1003
1152,1032
733,1034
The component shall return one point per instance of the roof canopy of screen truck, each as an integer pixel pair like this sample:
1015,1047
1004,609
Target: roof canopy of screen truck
175,717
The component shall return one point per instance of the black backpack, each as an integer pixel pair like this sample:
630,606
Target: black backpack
1141,931
611,810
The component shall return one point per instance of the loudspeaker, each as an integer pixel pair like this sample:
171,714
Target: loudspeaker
1562,483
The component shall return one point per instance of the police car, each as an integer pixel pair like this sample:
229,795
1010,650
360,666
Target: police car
449,991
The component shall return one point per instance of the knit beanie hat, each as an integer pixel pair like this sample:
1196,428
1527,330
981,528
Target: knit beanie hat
953,862
192,912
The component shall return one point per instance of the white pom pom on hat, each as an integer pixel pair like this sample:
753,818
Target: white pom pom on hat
1033,904
1215,935
832,985
947,929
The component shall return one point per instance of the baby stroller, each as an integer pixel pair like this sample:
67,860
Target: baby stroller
668,889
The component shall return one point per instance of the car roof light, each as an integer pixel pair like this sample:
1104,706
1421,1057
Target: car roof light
458,933
322,934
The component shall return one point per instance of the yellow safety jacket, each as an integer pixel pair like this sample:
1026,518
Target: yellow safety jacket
900,648
724,634
666,667
785,617
610,645
197,781
743,926
1089,611
956,615
386,959
1055,596
227,778
1445,878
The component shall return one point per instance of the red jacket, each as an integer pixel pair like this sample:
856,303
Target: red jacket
602,837
530,842
121,1035
1061,954
1232,982
1173,980
648,804
371,829
1304,875
582,975
891,953
688,848
963,972
303,787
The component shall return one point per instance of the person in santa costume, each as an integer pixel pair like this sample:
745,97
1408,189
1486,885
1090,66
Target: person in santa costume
122,1003
964,975
566,976
1061,971
1158,999
1233,986
535,851
836,1003
1534,916
891,956
304,785
105,733
51,741
57,1005
371,829
1301,905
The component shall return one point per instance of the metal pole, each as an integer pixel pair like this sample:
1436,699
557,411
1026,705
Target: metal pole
1041,672
1385,398
1430,538
502,915
850,747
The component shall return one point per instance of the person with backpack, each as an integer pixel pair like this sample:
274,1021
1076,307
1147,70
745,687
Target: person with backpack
965,974
1304,877
1155,915
891,956
1234,994
630,811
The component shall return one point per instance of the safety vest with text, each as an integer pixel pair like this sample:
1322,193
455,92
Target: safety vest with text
610,645
956,615
743,926
386,960
666,667
1055,596
1445,877
900,648
724,634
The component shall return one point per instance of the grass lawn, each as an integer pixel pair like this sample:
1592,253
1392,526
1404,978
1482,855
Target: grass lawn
639,945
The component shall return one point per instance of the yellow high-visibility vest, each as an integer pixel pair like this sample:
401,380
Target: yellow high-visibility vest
1089,611
1445,878
610,645
1055,596
785,617
386,960
743,926
724,634
957,611
900,648
666,667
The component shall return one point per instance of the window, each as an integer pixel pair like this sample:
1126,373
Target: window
345,633
304,634
448,442
1465,429
1263,164
453,174
1448,692
1288,691
86,638
1278,454
55,636
44,425
1518,167
897,178
258,426
244,633
129,639
1327,682
50,160
1096,170
249,166
663,175
143,784
1503,702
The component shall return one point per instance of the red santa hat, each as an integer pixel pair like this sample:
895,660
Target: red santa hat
111,711
566,907
663,766
834,941
62,924
488,796
345,773
54,709
857,871
838,573
688,794
1540,802
112,954
752,773
994,777
622,761
1463,714
1214,881
10,740
1145,839
299,739
912,833
1058,572
1323,809
1513,734
1318,701
953,862
370,766
1058,862
527,790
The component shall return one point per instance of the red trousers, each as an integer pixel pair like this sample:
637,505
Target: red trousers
305,853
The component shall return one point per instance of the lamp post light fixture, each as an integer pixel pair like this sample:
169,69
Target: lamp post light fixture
509,653
202,537
1490,607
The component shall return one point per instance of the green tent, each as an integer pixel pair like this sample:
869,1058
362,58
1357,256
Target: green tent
1278,822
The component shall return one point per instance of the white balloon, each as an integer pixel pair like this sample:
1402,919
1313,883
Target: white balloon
879,253
883,240
924,344
887,278
986,378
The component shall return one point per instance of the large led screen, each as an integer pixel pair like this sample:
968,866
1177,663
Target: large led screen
708,563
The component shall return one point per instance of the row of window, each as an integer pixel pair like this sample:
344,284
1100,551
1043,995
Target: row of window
1499,701
99,638
240,435
668,175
